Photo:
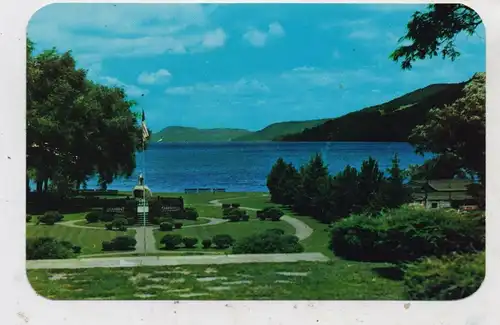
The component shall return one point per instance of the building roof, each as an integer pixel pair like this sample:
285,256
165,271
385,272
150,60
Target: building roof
449,185
443,196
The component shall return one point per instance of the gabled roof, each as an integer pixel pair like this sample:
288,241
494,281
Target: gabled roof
449,185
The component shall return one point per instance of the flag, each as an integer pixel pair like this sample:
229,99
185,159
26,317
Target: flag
145,133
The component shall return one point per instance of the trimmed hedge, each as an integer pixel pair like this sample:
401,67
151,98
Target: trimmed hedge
108,226
119,223
407,234
207,243
47,248
92,217
178,225
119,243
190,242
106,217
271,213
268,242
50,218
448,278
190,214
222,241
171,241
166,226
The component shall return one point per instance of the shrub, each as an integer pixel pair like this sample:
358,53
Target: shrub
166,220
222,241
119,223
234,217
50,218
92,217
261,215
108,226
452,277
28,217
122,228
107,246
47,248
235,205
130,221
207,243
245,217
190,242
273,213
76,249
178,225
225,206
171,241
407,234
123,243
166,226
191,214
106,217
268,242
276,231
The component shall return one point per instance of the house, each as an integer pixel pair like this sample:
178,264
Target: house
443,193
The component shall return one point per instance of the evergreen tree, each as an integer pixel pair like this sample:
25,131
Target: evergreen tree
275,180
370,181
313,172
346,191
291,182
396,193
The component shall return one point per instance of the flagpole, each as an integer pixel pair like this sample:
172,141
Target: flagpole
144,187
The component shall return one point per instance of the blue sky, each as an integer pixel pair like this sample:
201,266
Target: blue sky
246,65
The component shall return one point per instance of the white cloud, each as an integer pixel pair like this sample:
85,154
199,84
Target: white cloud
125,30
179,90
242,86
215,38
130,90
259,38
152,78
276,29
367,34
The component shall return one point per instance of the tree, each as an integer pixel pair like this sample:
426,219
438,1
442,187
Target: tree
457,132
275,180
311,174
395,191
433,32
76,128
291,181
370,180
346,189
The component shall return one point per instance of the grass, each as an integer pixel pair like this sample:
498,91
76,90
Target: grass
337,280
236,229
90,240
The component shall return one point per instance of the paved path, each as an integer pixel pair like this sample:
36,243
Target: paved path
302,230
173,260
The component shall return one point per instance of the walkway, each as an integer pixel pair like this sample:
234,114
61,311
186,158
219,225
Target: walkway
302,230
173,260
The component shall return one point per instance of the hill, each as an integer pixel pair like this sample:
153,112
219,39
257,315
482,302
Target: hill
189,134
389,122
276,130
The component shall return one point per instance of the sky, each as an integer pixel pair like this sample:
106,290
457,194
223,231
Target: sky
247,65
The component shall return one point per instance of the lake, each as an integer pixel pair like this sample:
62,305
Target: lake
238,167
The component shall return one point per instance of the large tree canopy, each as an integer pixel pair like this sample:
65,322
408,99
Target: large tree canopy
458,130
433,32
76,129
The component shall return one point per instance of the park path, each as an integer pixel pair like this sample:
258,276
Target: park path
302,230
109,262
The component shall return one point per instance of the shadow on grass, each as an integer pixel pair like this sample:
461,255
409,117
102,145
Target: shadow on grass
394,273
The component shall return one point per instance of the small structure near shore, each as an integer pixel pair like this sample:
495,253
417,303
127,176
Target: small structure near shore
443,193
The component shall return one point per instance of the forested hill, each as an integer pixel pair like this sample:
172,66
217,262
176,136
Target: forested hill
275,130
389,122
189,134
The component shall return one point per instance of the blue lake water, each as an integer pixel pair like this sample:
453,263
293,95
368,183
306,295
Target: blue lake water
173,167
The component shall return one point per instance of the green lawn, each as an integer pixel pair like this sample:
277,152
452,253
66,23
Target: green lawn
89,239
337,280
236,229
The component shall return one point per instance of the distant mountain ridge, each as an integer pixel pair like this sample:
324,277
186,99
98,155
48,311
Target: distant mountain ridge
392,121
191,134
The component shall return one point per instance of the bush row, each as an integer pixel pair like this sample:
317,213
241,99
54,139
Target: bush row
119,243
49,248
268,242
407,234
235,214
49,218
452,277
271,213
173,241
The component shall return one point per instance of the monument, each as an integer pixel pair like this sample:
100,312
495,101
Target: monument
141,191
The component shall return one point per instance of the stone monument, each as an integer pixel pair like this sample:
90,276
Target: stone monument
141,191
